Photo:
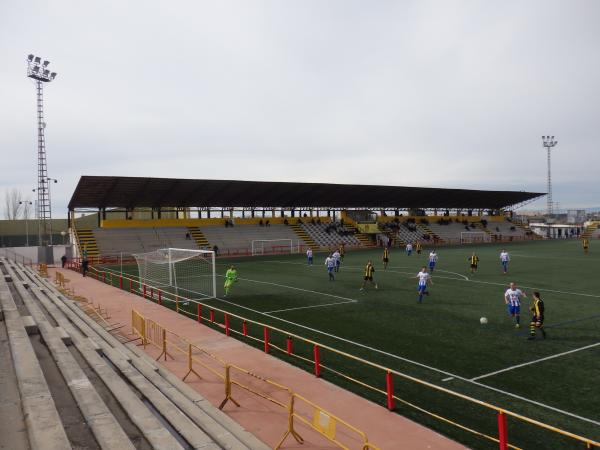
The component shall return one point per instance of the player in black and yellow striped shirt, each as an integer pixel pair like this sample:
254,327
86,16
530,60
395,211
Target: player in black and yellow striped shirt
369,271
473,261
537,319
586,245
386,257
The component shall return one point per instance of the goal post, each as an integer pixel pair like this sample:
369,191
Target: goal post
266,246
185,272
474,237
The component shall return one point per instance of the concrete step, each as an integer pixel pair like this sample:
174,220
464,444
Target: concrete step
44,427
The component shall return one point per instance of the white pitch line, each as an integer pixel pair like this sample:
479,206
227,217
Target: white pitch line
297,289
476,383
313,306
534,362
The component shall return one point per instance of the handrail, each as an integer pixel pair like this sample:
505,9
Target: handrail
500,411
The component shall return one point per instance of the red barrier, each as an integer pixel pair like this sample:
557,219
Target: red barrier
266,335
502,434
245,328
317,354
227,324
389,386
199,316
212,315
290,345
144,292
159,297
151,293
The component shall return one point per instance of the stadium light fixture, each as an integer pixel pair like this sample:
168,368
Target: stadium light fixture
549,143
38,71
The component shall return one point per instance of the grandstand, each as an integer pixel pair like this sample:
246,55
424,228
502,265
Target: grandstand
231,215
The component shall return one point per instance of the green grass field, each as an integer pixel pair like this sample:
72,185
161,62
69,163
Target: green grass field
441,340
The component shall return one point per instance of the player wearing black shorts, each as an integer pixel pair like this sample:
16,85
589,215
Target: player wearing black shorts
473,261
369,271
537,319
386,257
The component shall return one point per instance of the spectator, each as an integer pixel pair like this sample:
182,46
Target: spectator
285,221
63,260
267,223
85,265
260,222
216,250
188,237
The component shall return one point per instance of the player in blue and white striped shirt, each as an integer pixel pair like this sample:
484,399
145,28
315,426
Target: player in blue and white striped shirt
512,298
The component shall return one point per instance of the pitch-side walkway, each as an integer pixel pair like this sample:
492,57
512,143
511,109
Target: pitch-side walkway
265,420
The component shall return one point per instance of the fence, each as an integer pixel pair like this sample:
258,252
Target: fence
312,354
297,407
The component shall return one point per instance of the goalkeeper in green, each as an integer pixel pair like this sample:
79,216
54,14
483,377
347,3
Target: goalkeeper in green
230,278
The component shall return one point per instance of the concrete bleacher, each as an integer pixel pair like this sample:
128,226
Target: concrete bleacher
318,233
451,231
404,235
113,241
502,230
110,395
238,239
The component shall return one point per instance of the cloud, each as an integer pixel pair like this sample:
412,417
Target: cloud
448,94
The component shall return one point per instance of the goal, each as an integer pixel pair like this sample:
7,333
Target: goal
183,272
474,237
270,246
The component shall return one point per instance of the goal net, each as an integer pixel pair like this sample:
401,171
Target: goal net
183,272
270,246
474,237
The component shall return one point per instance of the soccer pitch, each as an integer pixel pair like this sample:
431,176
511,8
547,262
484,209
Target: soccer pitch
555,381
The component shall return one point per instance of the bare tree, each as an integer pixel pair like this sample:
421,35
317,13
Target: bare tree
12,204
27,208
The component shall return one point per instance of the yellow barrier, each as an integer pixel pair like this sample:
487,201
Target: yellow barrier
324,422
150,332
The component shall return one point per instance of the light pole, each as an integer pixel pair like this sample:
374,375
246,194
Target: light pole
548,143
38,71
27,204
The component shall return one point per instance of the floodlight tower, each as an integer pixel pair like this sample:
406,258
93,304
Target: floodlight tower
38,70
548,142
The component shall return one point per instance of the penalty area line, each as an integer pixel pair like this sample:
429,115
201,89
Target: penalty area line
516,366
313,306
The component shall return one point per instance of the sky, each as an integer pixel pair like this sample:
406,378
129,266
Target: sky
411,93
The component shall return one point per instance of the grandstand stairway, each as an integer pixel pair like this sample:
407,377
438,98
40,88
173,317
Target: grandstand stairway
303,235
198,237
365,239
87,241
427,230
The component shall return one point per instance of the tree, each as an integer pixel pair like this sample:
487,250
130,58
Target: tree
12,204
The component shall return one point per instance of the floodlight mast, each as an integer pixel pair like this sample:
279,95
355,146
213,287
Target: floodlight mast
548,142
37,70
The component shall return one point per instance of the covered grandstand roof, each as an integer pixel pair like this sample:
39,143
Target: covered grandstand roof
137,192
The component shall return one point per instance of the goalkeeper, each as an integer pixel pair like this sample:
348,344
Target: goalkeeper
230,278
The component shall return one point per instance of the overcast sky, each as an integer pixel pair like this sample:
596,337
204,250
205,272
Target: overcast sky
413,93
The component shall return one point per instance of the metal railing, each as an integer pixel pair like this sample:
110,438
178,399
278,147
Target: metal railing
198,311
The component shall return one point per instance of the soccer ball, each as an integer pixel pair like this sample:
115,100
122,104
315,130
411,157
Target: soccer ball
483,320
